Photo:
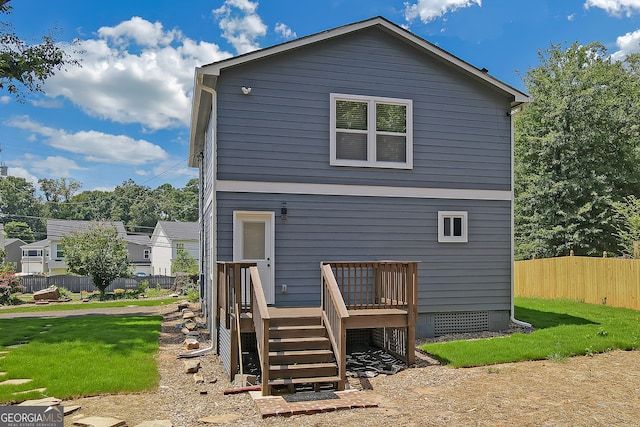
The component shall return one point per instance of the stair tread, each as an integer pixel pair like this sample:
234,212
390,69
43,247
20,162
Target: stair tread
303,365
299,352
298,339
285,381
294,327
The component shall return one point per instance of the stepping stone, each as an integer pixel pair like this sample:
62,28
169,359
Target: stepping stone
2,373
155,423
17,345
47,401
220,419
71,408
100,422
39,390
16,381
188,314
4,352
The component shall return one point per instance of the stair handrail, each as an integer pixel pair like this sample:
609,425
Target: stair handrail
261,319
334,315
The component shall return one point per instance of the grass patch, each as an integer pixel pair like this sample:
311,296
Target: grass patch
563,328
80,356
89,305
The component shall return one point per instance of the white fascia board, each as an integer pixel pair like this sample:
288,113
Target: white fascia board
361,190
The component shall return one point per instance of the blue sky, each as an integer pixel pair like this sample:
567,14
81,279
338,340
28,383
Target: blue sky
125,113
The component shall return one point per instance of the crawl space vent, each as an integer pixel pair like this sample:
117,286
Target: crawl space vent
453,323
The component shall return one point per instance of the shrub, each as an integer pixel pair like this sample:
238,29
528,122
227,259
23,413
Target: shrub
9,285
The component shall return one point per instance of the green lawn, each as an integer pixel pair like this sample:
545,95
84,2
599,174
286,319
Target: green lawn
563,328
79,356
26,308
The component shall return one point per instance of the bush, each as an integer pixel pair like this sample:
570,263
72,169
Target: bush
9,285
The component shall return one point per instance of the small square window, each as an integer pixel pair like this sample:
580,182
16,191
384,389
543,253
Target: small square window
452,227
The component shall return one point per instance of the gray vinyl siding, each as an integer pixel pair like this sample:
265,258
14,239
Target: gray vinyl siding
280,132
452,276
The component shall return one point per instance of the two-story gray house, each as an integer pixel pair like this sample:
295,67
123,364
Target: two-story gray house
361,143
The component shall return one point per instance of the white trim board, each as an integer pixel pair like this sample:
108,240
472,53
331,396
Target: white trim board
360,190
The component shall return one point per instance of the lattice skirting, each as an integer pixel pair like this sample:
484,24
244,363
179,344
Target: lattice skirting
451,323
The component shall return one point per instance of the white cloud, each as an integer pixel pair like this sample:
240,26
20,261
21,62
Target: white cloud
20,172
428,10
135,72
615,7
240,24
627,44
56,166
571,17
95,146
5,99
285,32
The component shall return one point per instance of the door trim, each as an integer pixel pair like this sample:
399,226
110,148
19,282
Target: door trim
268,217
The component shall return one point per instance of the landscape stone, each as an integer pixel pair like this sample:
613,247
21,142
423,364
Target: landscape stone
220,419
188,314
191,366
47,401
198,378
155,423
100,422
71,408
50,293
182,305
190,325
191,344
17,381
39,390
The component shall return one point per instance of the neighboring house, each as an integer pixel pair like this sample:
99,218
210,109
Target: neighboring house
167,238
35,257
139,248
47,256
13,255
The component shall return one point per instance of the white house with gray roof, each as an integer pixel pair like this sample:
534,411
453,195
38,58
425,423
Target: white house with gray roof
167,238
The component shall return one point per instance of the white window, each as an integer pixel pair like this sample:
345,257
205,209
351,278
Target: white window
371,131
452,226
147,254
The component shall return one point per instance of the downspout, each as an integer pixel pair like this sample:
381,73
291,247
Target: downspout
511,114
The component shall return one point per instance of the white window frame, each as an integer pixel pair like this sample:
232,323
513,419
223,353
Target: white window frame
442,238
371,132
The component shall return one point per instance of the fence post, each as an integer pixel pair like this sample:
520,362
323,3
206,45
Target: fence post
636,249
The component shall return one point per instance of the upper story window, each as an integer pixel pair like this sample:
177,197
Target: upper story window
59,252
371,131
32,252
179,246
452,226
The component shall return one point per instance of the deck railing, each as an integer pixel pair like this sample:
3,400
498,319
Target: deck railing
334,314
261,321
380,284
233,287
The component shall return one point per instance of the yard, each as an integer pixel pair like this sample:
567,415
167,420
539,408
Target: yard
599,389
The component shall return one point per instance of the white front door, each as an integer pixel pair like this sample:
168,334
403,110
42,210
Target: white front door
254,241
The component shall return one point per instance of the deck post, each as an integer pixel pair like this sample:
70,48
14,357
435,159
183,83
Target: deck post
412,311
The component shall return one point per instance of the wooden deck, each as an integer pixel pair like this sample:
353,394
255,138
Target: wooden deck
307,345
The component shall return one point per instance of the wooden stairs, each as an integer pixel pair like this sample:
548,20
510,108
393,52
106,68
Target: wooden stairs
300,351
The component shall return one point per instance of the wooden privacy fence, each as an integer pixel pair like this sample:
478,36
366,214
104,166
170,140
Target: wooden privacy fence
610,281
85,284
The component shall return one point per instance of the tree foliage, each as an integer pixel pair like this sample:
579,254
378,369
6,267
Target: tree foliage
184,263
628,229
576,151
99,252
19,202
27,66
19,230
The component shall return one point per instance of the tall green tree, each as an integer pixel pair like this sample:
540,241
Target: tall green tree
18,202
57,196
19,230
24,66
100,253
576,151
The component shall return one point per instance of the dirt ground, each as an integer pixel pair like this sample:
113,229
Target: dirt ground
603,390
